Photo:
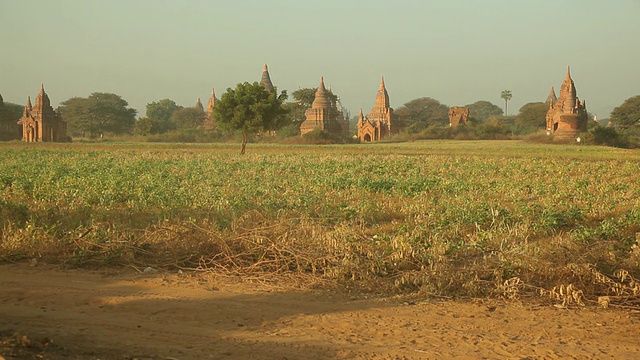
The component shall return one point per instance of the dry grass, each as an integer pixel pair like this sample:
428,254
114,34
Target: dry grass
519,225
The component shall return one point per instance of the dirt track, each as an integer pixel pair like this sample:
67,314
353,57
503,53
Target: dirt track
128,315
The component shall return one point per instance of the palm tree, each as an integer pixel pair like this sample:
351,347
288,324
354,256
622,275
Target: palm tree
506,95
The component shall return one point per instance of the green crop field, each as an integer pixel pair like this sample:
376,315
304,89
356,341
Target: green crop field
448,218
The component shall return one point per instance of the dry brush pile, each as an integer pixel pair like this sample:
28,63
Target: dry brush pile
447,225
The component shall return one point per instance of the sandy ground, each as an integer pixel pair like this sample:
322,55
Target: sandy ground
49,313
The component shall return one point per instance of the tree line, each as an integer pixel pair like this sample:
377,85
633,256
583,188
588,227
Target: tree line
249,109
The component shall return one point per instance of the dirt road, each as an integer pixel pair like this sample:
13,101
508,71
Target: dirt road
75,314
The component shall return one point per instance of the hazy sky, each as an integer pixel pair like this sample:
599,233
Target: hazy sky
456,51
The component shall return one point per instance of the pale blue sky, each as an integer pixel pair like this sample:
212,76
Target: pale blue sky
456,51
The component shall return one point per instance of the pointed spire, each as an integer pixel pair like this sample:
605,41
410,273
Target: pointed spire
212,102
199,105
27,108
382,98
551,99
266,79
361,116
321,99
42,100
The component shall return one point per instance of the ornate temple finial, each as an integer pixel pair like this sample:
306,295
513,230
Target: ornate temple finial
322,82
382,86
29,103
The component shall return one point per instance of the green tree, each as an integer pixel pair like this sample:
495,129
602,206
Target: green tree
159,112
250,109
9,115
483,110
98,114
532,117
11,110
418,114
187,119
304,97
506,95
144,126
627,114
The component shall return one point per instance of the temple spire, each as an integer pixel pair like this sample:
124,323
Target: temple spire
212,102
321,99
266,79
199,105
551,99
27,108
382,98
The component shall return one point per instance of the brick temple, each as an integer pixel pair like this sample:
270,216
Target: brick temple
380,123
567,115
324,114
40,123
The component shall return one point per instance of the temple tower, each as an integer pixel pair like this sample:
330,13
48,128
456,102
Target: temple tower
322,114
266,79
567,115
379,123
199,105
209,121
41,122
551,98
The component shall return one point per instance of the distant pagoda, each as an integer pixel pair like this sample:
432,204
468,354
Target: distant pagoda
266,79
379,123
323,114
40,123
209,121
567,115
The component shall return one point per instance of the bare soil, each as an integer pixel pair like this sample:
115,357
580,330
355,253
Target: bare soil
52,313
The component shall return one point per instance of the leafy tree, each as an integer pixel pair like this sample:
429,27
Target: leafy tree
9,115
506,95
11,110
144,126
159,112
304,97
250,109
532,117
605,136
98,114
186,119
418,114
483,110
628,113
